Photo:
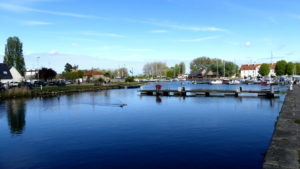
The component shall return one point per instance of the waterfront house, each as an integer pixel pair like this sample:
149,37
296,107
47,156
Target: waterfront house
9,74
252,70
5,75
203,73
31,74
93,76
17,77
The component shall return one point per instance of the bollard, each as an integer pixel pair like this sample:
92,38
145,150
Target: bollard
272,89
291,87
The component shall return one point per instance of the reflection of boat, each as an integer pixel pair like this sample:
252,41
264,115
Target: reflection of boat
216,82
226,81
249,82
234,82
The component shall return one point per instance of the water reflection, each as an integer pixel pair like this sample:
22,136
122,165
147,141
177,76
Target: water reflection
158,99
16,115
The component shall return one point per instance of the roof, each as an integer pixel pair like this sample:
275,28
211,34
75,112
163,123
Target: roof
254,66
249,67
4,72
92,73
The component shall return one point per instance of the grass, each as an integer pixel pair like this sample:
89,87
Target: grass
54,90
299,156
297,121
16,92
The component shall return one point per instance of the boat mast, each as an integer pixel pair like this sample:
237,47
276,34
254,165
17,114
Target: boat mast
217,68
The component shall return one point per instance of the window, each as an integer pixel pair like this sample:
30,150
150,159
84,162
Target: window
5,72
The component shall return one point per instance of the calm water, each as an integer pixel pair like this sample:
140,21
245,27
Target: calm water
90,130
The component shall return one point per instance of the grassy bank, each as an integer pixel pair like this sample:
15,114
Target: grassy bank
58,90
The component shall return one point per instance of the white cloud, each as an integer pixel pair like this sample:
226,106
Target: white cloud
18,8
159,31
53,52
74,44
185,27
112,35
37,23
199,39
248,44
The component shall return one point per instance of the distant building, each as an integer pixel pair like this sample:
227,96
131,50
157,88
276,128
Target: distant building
203,73
252,70
17,77
31,74
9,74
5,75
182,76
93,76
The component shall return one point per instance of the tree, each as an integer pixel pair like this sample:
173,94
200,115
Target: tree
14,54
200,63
68,67
155,69
46,74
264,69
297,68
181,68
122,72
290,68
280,68
73,75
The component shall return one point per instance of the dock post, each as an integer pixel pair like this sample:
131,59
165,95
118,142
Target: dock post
237,91
207,94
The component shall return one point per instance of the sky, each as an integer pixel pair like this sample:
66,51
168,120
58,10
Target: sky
109,34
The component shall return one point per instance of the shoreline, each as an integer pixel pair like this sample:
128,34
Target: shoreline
51,91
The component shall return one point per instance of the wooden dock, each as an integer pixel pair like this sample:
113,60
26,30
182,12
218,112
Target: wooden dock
210,92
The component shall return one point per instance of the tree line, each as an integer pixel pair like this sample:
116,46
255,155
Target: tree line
221,67
282,68
159,69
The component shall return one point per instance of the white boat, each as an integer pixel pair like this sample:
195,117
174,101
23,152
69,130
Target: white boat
234,82
216,82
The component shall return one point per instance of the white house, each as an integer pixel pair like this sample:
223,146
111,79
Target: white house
31,74
17,77
8,75
252,70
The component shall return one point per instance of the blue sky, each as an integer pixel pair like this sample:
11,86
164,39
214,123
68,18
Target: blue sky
115,33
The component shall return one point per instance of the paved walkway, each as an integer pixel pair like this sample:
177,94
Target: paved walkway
284,151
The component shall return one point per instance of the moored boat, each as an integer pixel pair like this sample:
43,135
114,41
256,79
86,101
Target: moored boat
234,82
216,82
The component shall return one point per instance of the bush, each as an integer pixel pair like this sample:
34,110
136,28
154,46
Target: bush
129,79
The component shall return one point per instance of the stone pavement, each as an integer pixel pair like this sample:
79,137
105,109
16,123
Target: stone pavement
284,150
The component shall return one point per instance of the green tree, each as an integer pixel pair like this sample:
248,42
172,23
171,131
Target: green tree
181,68
290,68
68,67
14,54
200,63
264,69
280,68
297,68
46,74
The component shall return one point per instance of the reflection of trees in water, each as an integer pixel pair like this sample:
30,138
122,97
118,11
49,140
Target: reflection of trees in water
2,108
16,115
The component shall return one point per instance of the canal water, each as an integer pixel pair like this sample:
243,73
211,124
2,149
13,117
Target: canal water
92,130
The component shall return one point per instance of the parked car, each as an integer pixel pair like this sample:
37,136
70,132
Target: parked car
68,82
39,83
14,84
2,87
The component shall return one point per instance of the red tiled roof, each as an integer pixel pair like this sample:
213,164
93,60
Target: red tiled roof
249,67
92,73
254,66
